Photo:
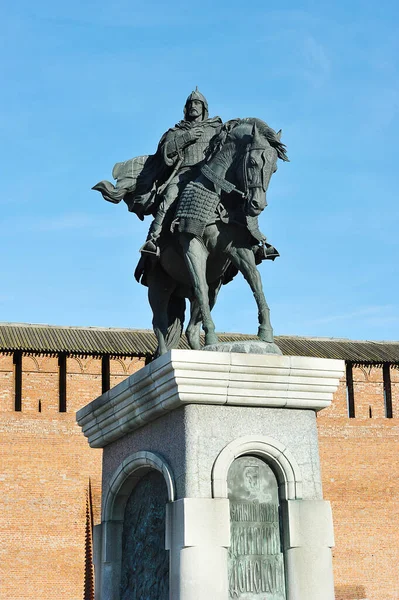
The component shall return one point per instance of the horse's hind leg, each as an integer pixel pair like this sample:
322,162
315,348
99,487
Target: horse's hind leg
195,256
243,259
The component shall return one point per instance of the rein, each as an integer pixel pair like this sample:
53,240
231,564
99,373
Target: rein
221,182
227,186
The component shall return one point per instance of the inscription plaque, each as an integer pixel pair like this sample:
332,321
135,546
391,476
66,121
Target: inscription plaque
256,564
145,562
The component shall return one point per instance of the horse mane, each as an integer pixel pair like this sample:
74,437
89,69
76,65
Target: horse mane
263,128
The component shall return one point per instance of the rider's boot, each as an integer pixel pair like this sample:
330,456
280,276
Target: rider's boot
150,247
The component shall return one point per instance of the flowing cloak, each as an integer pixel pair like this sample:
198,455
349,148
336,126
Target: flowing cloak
138,179
136,183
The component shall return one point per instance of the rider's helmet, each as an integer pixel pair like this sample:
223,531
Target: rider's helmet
196,95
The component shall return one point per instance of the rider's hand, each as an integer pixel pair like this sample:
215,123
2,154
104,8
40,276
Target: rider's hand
191,135
195,133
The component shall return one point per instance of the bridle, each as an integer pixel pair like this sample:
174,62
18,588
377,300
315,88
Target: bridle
247,156
223,184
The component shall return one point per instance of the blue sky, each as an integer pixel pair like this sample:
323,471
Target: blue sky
89,84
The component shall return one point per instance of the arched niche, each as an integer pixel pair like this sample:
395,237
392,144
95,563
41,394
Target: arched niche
255,560
30,364
75,365
257,474
134,472
118,367
361,373
275,454
126,477
145,560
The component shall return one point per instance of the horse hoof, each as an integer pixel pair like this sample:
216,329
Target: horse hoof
160,352
211,338
266,334
193,337
194,342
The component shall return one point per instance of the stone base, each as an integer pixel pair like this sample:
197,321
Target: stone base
189,415
255,346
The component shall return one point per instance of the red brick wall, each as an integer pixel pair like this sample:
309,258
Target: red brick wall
46,465
6,384
360,478
45,468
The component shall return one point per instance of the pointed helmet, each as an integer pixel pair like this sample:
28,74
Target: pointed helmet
196,95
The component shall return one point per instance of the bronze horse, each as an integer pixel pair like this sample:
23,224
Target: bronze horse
215,235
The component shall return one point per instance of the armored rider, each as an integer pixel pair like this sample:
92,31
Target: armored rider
183,149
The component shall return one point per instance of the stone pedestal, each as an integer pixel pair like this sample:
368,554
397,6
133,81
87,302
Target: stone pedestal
189,415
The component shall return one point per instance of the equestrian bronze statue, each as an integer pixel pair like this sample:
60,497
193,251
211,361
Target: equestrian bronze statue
205,187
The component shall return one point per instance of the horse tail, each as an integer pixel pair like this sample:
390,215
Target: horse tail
176,312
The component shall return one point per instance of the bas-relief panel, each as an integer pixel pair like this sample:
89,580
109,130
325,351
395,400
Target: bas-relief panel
145,562
256,565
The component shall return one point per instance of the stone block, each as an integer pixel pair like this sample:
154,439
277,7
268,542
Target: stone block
309,574
198,522
308,523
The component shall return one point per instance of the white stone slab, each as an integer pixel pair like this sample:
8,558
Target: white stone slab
309,524
215,378
198,522
197,536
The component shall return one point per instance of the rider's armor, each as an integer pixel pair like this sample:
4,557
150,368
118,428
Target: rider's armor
192,153
187,154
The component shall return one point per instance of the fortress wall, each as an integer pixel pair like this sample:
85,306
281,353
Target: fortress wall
45,469
360,478
46,465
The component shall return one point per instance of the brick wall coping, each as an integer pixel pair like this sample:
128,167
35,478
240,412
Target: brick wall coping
97,341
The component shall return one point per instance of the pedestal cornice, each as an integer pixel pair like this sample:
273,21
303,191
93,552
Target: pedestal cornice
195,377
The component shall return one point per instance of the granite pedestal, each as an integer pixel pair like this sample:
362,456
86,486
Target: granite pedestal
190,415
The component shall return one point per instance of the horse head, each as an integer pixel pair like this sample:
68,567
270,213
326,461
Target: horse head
248,150
258,163
244,156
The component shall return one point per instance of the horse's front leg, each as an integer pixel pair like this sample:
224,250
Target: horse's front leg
195,256
193,328
159,292
243,258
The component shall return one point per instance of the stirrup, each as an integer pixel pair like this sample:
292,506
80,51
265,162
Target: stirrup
146,251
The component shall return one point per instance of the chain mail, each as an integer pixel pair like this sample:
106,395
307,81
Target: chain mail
196,208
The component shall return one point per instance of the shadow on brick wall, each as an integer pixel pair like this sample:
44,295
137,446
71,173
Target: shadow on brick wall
350,592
